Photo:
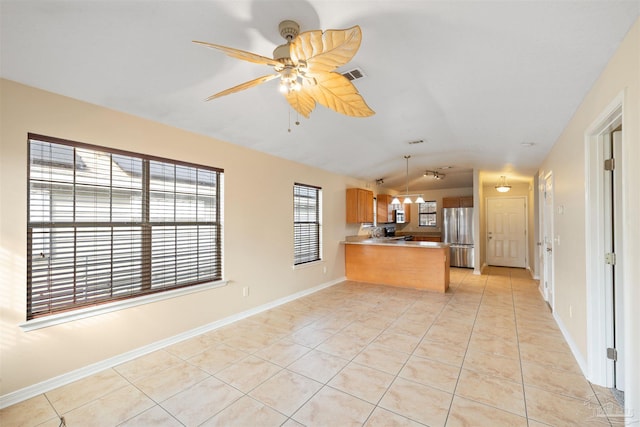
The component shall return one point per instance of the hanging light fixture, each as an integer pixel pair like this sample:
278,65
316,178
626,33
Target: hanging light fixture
502,185
407,198
434,174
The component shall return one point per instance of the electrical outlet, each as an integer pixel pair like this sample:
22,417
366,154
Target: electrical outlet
570,311
245,291
324,269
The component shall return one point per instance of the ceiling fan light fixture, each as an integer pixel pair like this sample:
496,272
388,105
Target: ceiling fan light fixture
306,66
289,80
502,186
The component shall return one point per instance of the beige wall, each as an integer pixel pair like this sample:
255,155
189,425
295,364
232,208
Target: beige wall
258,241
567,162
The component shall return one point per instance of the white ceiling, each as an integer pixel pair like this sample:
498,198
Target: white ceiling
473,79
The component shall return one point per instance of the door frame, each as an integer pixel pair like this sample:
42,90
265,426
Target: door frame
600,370
548,292
526,224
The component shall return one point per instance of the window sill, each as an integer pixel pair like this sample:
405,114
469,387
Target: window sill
56,319
308,264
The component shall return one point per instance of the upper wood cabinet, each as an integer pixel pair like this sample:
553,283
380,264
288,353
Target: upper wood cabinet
457,202
407,212
359,205
466,202
383,208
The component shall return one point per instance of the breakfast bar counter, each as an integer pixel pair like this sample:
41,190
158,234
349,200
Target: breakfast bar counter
396,262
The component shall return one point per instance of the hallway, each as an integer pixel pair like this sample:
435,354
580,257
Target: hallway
486,353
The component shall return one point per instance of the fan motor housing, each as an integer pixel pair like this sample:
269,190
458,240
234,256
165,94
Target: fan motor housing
289,30
282,53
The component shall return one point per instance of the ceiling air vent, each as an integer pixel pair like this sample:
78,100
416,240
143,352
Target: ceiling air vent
354,74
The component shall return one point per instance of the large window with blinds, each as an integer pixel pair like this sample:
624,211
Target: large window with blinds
105,225
306,223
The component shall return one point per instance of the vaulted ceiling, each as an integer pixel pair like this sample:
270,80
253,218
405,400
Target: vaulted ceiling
486,85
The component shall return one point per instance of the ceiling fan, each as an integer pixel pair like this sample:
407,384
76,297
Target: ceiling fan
305,65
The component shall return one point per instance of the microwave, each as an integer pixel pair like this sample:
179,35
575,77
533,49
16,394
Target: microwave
398,216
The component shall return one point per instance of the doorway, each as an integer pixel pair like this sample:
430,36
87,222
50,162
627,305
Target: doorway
612,207
604,238
507,231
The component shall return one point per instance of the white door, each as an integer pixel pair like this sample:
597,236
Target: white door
547,238
612,205
507,231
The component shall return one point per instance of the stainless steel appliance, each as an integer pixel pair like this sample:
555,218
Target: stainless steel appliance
458,232
398,216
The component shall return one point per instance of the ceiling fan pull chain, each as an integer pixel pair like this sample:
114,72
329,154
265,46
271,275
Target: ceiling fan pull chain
289,120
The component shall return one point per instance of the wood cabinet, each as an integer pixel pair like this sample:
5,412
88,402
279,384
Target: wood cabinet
384,209
407,212
359,205
457,202
401,265
466,202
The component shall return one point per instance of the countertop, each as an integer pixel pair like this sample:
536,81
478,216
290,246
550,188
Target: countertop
391,241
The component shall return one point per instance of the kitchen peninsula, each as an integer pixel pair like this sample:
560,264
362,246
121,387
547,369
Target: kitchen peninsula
396,262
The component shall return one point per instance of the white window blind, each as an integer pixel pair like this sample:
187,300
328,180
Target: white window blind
427,212
306,223
105,225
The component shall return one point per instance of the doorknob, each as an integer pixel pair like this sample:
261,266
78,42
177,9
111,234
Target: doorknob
549,249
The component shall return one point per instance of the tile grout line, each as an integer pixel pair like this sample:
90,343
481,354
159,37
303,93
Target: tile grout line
397,317
453,394
397,375
515,322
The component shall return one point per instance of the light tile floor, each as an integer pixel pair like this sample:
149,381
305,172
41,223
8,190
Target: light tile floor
486,353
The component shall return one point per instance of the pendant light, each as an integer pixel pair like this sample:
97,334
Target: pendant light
502,185
407,198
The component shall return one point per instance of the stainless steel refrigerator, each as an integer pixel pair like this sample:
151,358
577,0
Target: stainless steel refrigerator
458,232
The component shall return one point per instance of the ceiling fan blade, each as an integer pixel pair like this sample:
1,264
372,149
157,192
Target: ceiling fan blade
241,54
301,101
328,50
335,91
243,86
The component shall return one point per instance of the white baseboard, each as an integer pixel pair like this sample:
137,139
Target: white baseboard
582,362
531,273
64,379
541,290
484,265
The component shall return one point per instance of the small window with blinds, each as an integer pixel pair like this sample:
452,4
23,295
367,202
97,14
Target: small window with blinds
306,223
106,225
427,212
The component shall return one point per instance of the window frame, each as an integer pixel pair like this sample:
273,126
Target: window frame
427,215
300,257
146,290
